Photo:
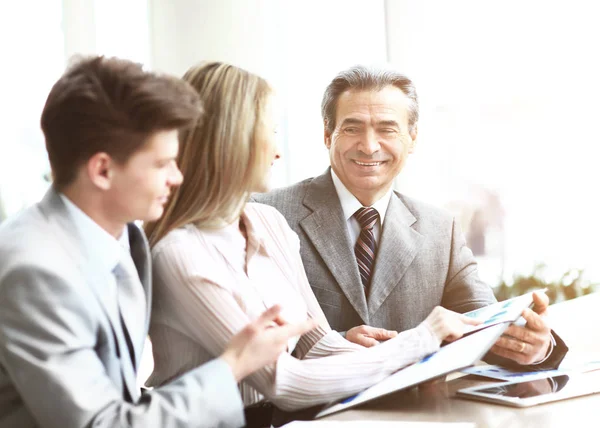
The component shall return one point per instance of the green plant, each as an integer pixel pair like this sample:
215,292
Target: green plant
570,285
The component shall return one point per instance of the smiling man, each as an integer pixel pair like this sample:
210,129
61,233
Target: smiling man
379,261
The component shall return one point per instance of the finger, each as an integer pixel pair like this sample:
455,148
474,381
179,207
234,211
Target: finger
367,342
382,334
468,320
511,355
298,329
523,334
268,317
535,321
452,337
540,302
362,329
513,345
279,320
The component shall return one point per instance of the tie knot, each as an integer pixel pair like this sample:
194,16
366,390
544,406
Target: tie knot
367,217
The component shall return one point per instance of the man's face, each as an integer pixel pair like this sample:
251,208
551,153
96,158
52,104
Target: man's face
371,141
141,187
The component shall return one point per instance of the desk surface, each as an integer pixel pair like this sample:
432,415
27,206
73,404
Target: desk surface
576,321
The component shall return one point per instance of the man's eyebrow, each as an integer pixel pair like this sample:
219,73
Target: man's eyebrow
391,123
352,121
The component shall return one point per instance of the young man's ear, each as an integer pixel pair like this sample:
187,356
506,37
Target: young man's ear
99,170
413,138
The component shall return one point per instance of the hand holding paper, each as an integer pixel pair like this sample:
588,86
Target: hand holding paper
527,344
501,312
449,326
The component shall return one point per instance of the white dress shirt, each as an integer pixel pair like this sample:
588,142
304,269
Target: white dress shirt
104,250
350,205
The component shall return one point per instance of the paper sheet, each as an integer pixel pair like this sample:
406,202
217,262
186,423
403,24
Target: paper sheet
377,424
507,311
501,373
452,357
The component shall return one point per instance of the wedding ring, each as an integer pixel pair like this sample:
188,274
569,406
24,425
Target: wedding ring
522,347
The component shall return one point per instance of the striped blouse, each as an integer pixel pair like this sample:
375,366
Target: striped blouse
208,284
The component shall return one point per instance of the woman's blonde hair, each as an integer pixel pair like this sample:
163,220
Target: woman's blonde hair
221,158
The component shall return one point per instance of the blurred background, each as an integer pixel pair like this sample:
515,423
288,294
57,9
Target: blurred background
509,94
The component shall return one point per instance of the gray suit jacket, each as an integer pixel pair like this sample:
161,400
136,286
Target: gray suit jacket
422,259
59,355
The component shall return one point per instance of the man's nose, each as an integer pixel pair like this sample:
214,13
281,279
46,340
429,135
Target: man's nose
369,143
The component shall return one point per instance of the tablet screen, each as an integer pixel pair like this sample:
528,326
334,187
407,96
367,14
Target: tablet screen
531,388
536,391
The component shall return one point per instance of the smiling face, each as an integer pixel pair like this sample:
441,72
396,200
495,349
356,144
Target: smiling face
140,188
371,141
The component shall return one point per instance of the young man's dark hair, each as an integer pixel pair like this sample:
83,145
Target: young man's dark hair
110,105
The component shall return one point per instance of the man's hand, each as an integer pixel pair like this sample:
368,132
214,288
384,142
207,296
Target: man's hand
261,342
448,325
369,336
528,344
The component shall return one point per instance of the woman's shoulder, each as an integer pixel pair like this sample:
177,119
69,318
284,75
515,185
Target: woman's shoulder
187,253
185,239
265,215
269,222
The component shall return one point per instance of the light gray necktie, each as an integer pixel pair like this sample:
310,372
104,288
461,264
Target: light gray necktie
132,308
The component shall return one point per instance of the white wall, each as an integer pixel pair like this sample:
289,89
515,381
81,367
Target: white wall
297,46
509,100
32,59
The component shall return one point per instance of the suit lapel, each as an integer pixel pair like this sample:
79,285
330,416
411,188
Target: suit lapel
68,236
327,230
398,246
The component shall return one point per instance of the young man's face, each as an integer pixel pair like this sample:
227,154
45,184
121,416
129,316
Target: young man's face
371,140
141,187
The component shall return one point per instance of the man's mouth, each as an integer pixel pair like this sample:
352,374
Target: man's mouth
368,163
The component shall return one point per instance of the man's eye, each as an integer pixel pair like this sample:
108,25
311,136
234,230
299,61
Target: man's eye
351,130
387,131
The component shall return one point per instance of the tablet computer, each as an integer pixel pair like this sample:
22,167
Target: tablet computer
537,391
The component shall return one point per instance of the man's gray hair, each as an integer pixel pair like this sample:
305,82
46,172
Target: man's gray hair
364,78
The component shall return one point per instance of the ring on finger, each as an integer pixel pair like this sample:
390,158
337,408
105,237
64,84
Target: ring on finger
522,348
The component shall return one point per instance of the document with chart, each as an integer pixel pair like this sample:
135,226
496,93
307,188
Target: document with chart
451,357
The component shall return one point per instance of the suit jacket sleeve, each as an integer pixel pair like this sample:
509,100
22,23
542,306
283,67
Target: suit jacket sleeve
48,348
464,291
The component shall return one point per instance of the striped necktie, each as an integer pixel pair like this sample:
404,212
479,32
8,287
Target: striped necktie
365,247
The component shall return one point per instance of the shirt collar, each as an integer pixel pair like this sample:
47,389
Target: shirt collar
350,204
100,246
256,243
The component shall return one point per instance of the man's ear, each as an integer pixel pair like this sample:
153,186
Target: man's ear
326,136
413,138
99,170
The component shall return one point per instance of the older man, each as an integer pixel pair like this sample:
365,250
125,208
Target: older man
373,256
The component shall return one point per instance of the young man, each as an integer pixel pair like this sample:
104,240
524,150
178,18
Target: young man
75,291
374,256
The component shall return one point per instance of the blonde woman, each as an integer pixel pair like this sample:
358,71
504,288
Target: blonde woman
219,262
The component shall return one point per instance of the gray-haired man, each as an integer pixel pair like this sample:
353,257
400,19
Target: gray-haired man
378,260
